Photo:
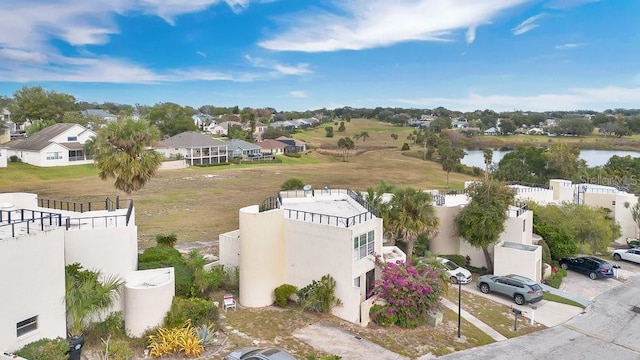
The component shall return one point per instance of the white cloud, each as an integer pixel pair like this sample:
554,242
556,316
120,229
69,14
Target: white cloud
281,69
527,25
298,94
568,46
571,99
201,54
470,36
363,24
33,57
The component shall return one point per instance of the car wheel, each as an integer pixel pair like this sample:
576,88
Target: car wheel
454,280
484,288
564,266
617,257
519,299
593,276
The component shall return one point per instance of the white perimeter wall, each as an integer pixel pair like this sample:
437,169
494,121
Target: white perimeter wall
229,248
148,297
3,157
32,283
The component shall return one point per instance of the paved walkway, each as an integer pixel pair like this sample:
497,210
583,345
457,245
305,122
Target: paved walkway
475,321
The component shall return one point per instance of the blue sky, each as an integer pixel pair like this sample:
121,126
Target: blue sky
297,55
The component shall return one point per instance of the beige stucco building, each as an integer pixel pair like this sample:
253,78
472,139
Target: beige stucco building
300,237
37,241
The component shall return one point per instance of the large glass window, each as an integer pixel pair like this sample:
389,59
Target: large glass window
363,245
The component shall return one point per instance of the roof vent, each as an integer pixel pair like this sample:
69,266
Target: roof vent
636,309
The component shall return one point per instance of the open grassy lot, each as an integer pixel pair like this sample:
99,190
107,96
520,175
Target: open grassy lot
199,203
595,141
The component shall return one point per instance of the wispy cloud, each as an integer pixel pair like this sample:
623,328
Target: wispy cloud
571,99
298,69
568,46
527,25
470,36
298,94
201,54
363,24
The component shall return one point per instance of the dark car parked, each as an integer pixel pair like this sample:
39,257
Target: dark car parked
589,265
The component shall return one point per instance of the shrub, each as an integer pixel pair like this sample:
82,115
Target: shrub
14,158
319,296
383,315
559,242
292,184
196,310
45,349
410,291
294,155
556,277
116,349
206,334
231,278
283,293
112,327
162,256
166,240
405,147
160,253
175,340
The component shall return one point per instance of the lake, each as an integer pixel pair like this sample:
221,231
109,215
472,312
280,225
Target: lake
592,157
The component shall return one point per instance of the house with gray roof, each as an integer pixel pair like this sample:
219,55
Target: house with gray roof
99,114
196,148
57,145
243,149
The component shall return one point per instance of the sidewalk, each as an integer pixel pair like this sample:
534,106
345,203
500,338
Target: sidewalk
474,320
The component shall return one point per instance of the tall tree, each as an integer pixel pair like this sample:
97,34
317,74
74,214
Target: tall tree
449,156
34,103
488,159
346,145
171,119
563,161
121,152
481,221
411,213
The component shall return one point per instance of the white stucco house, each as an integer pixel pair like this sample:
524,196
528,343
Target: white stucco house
37,241
515,252
301,236
57,145
3,157
619,202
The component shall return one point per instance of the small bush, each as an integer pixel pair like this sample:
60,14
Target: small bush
294,155
45,349
166,240
111,328
405,147
116,349
292,184
160,253
163,256
319,296
14,159
175,340
383,315
231,278
283,293
197,311
556,277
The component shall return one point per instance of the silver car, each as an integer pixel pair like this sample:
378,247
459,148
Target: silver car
521,289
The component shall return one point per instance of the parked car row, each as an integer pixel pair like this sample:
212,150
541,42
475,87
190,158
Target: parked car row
588,265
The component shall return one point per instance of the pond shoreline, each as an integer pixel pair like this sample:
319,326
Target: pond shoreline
583,143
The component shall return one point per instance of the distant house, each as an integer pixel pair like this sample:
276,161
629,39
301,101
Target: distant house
223,127
200,120
260,129
98,114
294,145
491,131
535,131
57,145
243,149
272,147
197,149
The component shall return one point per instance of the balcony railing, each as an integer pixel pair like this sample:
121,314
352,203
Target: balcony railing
333,220
76,206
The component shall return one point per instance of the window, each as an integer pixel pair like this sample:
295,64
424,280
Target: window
524,225
72,138
363,245
54,156
356,282
27,326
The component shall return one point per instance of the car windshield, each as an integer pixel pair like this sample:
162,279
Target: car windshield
535,287
605,265
450,265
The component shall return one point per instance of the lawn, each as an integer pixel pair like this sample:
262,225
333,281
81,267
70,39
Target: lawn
199,203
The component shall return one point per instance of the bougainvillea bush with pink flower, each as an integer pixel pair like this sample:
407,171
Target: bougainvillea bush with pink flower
410,293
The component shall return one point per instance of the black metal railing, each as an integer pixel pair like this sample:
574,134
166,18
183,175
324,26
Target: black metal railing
360,200
21,215
80,206
329,219
129,212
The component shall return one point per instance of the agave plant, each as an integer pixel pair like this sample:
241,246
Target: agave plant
206,334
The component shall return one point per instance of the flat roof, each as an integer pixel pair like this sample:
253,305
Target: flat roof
519,246
342,206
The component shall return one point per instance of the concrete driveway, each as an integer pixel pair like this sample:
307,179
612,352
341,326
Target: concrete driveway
548,313
581,285
608,329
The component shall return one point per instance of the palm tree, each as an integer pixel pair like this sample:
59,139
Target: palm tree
488,159
86,295
121,151
412,213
